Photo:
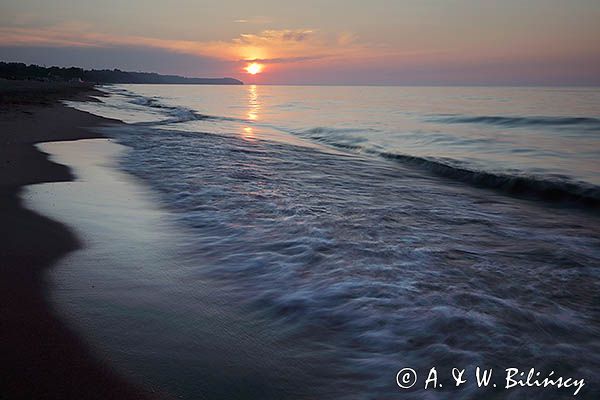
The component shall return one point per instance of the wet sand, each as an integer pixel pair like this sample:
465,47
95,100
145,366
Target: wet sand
41,356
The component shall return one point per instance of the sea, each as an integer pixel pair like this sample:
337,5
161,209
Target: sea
328,237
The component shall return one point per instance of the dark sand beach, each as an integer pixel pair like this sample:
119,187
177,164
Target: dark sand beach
41,357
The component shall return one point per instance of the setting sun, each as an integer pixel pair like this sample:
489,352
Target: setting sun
254,68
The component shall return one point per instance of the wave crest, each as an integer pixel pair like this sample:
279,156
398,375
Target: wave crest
516,122
523,185
547,189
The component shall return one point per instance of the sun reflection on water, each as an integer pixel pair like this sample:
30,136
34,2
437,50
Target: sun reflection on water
253,103
248,133
253,109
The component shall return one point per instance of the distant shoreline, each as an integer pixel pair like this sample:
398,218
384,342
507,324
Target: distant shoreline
42,358
74,75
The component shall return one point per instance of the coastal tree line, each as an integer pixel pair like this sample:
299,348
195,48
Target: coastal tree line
22,71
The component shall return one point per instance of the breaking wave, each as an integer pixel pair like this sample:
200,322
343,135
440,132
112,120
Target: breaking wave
552,189
522,185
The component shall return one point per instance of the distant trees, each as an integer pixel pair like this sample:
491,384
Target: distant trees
23,71
36,72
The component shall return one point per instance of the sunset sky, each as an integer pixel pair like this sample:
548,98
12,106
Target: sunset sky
408,42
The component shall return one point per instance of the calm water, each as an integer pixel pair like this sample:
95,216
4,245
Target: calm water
379,228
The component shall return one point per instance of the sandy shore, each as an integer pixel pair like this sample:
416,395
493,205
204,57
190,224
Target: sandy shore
41,357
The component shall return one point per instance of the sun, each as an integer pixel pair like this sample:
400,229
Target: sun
254,68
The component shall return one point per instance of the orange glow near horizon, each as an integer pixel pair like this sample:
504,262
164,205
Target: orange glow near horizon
254,68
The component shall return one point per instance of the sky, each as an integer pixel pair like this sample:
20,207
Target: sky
375,42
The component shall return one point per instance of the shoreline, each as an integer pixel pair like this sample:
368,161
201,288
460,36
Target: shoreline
42,357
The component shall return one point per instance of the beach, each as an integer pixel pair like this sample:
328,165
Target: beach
41,356
291,243
335,200
89,329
